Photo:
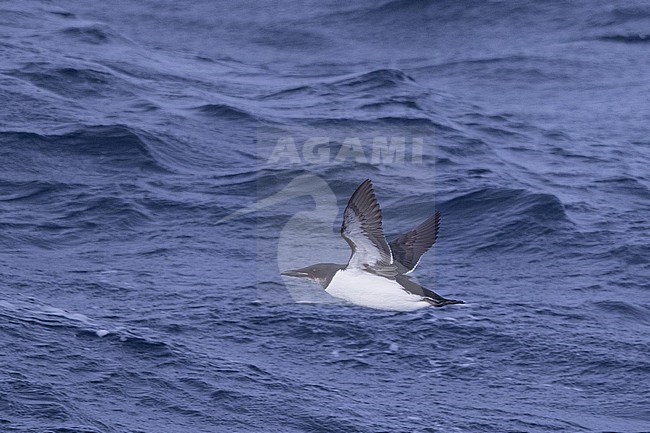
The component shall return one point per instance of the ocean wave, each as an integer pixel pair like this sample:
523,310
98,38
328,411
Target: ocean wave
377,79
358,127
224,111
487,201
618,14
504,219
60,12
394,102
626,310
73,80
384,80
33,191
38,314
94,33
290,38
639,38
105,213
392,12
630,254
86,151
625,185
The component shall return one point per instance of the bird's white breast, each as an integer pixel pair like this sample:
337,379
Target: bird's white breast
369,290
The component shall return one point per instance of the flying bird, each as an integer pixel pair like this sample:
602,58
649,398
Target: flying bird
376,274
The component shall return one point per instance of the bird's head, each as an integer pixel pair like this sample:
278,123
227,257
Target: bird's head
322,273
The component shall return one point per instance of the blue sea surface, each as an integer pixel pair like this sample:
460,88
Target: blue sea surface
146,214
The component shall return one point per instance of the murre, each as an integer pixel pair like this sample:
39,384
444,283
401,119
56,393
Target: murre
376,274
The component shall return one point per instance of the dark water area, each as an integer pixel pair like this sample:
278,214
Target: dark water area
145,215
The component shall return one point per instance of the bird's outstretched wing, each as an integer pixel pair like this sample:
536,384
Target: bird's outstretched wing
409,247
363,232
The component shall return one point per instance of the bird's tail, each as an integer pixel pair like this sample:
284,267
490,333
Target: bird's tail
441,302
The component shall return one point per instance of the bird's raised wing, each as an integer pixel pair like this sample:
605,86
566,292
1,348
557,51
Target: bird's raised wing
409,247
363,232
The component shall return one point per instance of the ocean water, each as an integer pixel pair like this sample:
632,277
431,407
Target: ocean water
156,176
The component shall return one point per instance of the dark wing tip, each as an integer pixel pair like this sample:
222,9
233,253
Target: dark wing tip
364,197
364,188
409,247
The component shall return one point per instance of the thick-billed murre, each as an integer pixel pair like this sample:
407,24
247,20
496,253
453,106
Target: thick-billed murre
376,274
